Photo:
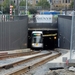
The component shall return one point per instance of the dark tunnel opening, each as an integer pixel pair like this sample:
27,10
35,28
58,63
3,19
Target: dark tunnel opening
50,40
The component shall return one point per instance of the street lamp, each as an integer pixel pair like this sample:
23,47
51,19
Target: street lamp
2,7
74,5
65,9
17,7
50,1
26,7
72,32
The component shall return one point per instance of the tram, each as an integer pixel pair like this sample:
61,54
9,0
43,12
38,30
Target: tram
37,39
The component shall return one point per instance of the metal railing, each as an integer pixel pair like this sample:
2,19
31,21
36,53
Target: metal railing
7,18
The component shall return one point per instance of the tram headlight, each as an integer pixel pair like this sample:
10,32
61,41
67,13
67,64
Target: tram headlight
32,43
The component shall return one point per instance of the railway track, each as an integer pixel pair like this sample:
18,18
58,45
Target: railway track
39,60
17,54
23,61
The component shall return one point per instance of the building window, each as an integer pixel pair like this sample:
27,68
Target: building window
36,1
56,5
54,1
66,1
14,1
63,1
31,2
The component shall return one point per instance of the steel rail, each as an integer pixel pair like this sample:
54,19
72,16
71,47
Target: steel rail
24,61
17,55
23,70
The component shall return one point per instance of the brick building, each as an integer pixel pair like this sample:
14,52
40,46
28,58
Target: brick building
61,4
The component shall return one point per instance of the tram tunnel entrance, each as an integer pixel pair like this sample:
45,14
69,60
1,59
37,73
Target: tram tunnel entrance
50,39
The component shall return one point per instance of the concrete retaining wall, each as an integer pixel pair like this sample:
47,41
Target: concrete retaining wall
42,25
64,31
13,34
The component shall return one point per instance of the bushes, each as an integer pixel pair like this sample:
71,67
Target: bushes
32,11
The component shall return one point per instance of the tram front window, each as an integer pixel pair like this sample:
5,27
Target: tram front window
36,39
